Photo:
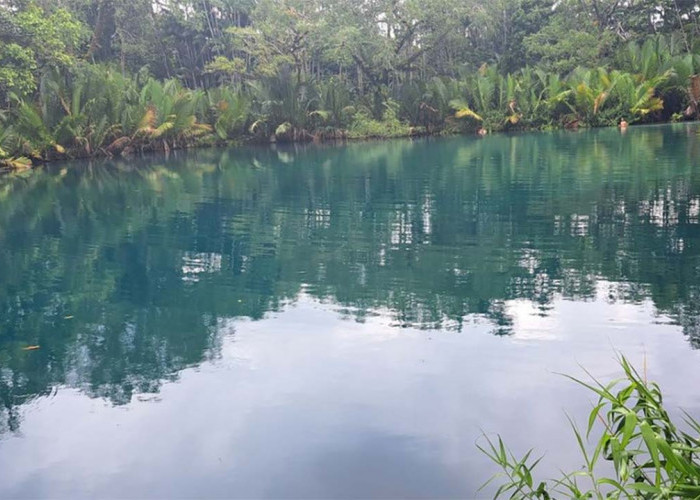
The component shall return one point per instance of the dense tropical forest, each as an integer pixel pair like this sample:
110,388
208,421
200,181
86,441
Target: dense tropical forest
80,78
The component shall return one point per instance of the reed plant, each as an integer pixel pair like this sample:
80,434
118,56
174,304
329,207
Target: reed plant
630,429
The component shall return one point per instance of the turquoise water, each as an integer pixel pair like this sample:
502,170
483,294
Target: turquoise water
336,321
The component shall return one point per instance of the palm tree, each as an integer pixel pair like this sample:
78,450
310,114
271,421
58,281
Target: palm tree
637,100
168,115
31,135
590,91
284,107
8,160
230,110
334,109
489,99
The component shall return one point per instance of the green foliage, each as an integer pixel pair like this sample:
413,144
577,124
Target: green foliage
335,104
590,95
638,100
53,36
228,69
568,42
525,100
6,139
31,40
283,100
231,112
168,114
17,68
364,126
652,457
32,135
109,77
426,103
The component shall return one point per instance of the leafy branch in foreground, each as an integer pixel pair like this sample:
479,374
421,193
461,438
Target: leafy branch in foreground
650,455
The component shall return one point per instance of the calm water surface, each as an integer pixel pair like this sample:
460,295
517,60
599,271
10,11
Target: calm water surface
336,321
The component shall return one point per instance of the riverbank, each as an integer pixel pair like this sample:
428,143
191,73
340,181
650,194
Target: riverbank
340,137
95,111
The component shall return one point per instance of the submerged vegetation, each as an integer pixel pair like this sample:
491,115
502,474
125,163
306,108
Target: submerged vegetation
82,78
651,456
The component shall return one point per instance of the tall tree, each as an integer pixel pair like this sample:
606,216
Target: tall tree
32,39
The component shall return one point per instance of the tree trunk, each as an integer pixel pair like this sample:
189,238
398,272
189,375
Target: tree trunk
105,10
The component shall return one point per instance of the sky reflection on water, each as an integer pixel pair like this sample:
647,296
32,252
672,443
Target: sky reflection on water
336,321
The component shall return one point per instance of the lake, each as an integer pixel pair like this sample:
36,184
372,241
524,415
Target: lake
325,321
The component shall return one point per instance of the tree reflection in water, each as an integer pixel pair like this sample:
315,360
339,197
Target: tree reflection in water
122,272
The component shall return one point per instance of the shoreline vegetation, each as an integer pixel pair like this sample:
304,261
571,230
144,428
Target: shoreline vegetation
108,78
631,448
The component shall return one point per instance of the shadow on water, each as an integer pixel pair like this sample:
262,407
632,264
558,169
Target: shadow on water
121,272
